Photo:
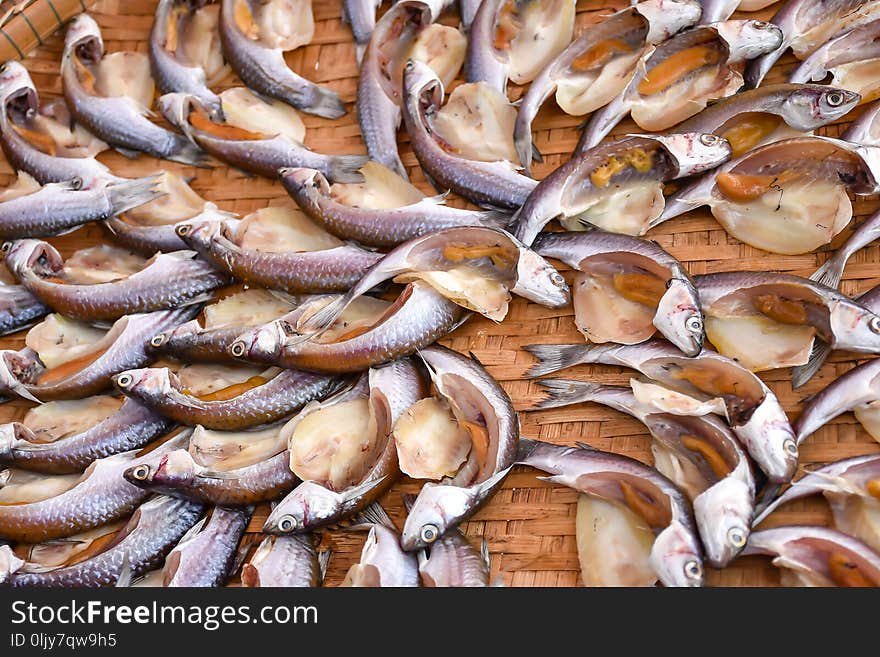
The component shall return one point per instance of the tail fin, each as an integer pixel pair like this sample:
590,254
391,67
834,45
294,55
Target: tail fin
323,102
565,392
555,357
345,168
803,373
322,319
133,193
765,497
525,449
830,273
495,219
375,514
323,562
187,152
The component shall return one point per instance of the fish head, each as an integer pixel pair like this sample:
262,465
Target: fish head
173,470
693,152
724,518
747,39
199,231
770,440
668,17
175,108
84,38
17,91
262,344
437,509
31,255
537,280
9,563
309,505
853,326
146,384
9,435
676,556
422,87
813,106
679,316
306,184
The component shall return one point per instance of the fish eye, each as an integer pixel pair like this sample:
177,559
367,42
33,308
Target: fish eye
141,472
4,68
410,65
761,25
287,524
157,340
557,279
835,99
790,448
693,569
6,247
182,230
874,324
694,324
124,380
737,537
76,184
429,533
709,139
237,349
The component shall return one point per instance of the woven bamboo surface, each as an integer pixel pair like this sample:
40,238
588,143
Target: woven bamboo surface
529,525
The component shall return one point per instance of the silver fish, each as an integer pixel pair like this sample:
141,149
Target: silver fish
865,129
818,556
468,10
117,120
451,561
206,555
594,175
595,67
676,555
655,102
717,10
19,309
263,68
676,312
361,18
699,454
477,401
489,184
155,527
752,410
285,561
382,562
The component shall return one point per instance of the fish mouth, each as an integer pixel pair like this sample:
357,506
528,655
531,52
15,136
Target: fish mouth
301,177
21,103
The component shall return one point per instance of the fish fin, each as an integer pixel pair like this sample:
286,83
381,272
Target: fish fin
192,532
346,168
800,374
240,557
765,498
585,446
323,562
496,219
475,359
484,553
126,574
465,317
354,492
130,153
217,474
526,447
408,500
830,272
133,193
536,154
324,102
565,392
188,153
374,514
437,199
553,479
484,487
554,357
322,319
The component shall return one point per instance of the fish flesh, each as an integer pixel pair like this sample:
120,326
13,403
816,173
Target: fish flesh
786,197
595,68
678,78
19,309
239,406
699,454
676,555
485,410
141,545
261,65
286,561
98,497
617,186
130,427
750,407
206,555
417,318
120,120
167,280
263,153
381,227
293,261
476,268
494,185
90,372
817,556
382,563
644,286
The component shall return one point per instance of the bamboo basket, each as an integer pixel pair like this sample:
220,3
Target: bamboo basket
529,525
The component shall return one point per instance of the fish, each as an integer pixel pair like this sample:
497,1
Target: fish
618,185
782,313
750,407
645,286
451,561
257,152
771,113
239,406
19,104
699,454
361,18
850,58
595,68
493,185
467,10
132,426
121,347
817,556
206,555
333,267
450,260
865,129
805,25
391,390
378,227
98,497
58,208
676,79
119,120
417,318
141,545
286,561
262,67
676,555
178,475
485,410
172,70
167,280
382,562
515,40
770,197
19,309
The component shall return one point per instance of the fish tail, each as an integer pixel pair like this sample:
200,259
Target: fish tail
830,273
187,152
322,102
526,449
495,219
803,373
764,499
346,168
323,562
133,193
555,357
321,320
374,514
565,392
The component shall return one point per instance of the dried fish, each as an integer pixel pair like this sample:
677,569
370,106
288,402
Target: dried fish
361,18
382,562
286,561
451,561
19,309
